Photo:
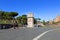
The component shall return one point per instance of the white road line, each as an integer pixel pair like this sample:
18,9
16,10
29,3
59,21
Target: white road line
39,36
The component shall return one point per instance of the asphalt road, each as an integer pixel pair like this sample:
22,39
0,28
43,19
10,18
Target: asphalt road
52,35
22,33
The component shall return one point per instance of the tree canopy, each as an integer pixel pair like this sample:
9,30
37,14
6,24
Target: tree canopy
7,15
22,19
44,22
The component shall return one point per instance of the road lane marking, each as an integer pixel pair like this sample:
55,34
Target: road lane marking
39,36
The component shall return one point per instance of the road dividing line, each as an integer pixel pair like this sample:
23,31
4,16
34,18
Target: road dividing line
39,36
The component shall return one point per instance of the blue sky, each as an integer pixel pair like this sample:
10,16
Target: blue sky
44,9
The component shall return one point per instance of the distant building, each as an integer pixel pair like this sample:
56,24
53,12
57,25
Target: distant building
50,21
57,19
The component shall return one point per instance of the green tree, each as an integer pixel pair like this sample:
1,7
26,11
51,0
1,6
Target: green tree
24,19
1,14
13,14
36,19
6,15
19,19
10,15
44,22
